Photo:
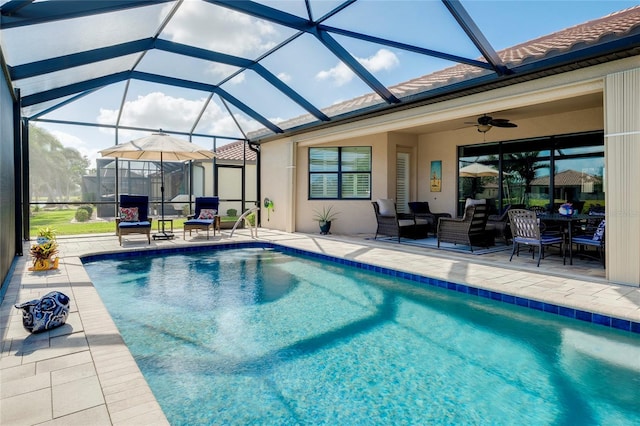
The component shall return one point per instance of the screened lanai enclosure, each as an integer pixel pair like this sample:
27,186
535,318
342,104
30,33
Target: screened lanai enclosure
235,76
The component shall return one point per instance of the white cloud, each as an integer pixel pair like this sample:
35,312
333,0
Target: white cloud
157,110
284,77
223,31
383,60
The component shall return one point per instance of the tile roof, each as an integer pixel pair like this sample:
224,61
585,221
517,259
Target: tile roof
573,38
568,178
234,151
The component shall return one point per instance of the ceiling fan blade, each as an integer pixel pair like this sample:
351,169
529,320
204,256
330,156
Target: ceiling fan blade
502,122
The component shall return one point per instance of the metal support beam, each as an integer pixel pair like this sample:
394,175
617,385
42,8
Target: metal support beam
479,40
48,11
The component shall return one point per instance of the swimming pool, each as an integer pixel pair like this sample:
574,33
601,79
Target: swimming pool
259,336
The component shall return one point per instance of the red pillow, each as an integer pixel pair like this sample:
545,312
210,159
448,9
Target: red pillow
129,214
208,213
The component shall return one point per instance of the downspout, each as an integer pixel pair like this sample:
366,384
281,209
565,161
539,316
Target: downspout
291,176
256,148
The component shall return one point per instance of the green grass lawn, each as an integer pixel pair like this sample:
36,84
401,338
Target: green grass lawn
61,221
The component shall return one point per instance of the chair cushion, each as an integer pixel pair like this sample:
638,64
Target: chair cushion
406,222
203,222
129,214
585,241
472,202
143,224
207,213
543,240
387,207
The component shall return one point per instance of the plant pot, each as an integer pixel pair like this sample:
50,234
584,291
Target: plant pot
324,227
45,264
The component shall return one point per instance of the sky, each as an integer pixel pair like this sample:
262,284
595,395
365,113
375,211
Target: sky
304,64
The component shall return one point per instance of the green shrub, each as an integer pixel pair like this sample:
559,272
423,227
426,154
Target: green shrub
186,210
232,212
82,215
88,208
251,218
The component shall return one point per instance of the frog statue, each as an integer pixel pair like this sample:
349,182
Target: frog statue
45,313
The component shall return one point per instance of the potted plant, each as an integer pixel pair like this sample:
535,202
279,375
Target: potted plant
45,235
44,251
324,218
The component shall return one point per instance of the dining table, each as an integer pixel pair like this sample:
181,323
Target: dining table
567,222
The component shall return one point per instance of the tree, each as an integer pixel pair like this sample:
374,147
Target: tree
55,170
525,164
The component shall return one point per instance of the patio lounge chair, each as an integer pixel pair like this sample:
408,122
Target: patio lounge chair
394,224
469,230
206,216
525,227
133,217
423,214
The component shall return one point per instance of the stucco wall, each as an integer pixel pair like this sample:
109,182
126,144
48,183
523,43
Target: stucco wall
277,184
355,216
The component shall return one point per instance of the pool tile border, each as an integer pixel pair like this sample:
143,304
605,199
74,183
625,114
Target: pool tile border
577,314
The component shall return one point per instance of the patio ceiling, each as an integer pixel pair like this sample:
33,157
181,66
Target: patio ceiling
268,68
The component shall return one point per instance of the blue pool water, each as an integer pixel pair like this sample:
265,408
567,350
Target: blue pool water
257,336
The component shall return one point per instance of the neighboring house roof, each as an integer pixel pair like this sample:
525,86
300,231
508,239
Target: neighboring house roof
615,25
567,178
235,151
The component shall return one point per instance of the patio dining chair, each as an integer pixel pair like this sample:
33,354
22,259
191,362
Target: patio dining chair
206,216
525,229
133,217
594,236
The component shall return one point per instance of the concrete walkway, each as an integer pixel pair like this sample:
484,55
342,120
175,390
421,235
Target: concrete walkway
83,374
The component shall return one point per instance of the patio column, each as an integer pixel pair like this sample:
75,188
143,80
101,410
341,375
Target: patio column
622,175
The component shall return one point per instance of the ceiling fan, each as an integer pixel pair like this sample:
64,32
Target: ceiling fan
485,123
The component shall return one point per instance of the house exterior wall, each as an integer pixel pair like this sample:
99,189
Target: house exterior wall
278,185
355,216
396,131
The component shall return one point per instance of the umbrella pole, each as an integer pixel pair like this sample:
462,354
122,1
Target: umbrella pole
164,235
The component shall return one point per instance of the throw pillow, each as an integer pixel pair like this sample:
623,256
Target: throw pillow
208,213
129,214
597,236
387,207
472,202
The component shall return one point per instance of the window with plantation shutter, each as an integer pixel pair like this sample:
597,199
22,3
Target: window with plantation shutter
402,182
340,173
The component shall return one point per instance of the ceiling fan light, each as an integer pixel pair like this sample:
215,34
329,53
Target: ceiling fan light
484,128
